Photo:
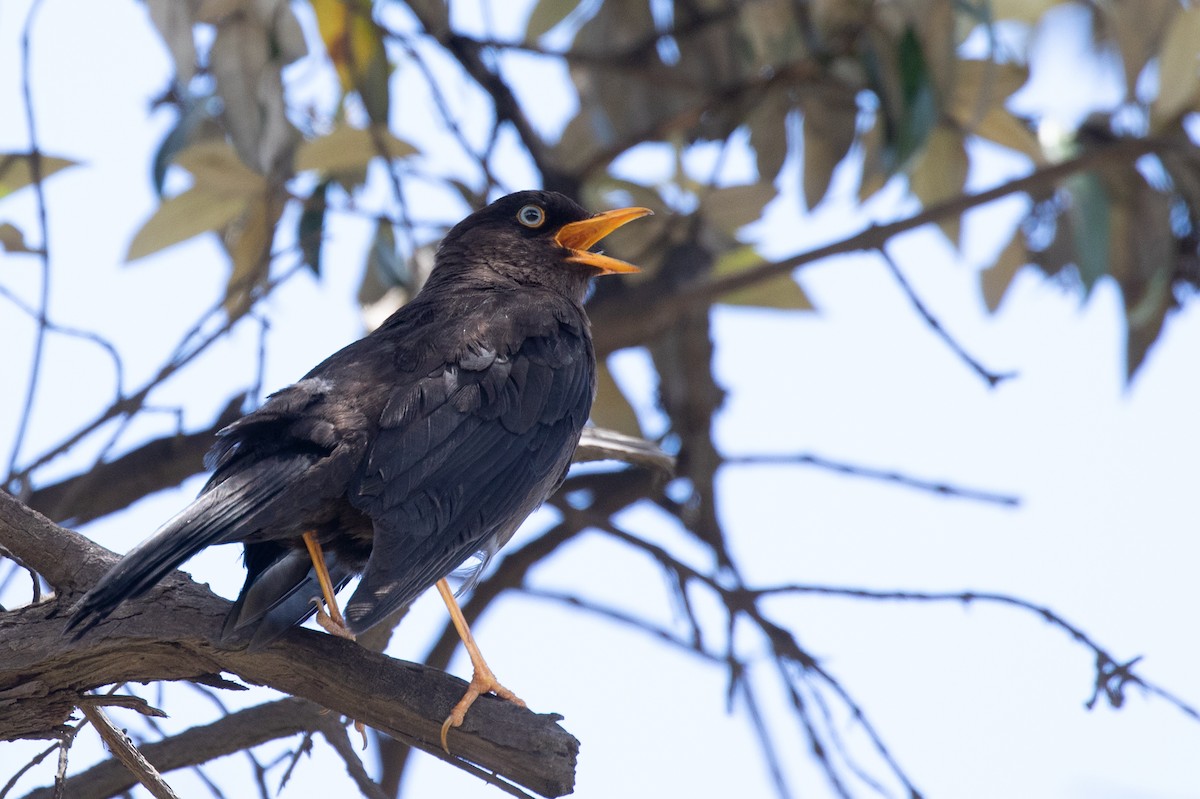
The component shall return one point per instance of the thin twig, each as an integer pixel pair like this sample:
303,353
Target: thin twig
1111,672
130,403
335,735
992,378
35,170
127,753
72,332
35,761
886,475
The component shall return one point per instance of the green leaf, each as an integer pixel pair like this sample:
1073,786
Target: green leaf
919,113
347,149
781,292
16,170
310,230
1091,216
547,14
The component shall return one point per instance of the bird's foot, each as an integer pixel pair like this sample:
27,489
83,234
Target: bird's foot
332,622
361,729
482,681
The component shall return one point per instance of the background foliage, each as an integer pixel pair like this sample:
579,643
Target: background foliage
285,125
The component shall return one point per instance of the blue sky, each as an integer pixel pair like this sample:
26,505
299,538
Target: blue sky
981,702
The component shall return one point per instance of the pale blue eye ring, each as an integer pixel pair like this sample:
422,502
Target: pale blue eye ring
531,216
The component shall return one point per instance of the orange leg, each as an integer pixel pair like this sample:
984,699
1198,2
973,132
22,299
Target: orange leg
482,678
332,621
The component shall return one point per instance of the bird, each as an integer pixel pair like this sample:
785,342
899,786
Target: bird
419,446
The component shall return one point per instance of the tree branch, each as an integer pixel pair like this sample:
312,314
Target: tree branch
174,633
229,734
117,484
650,310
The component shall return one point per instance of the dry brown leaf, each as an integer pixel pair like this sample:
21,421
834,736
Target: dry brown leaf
217,168
246,59
174,20
995,280
980,86
1178,70
874,173
611,409
16,171
730,208
348,149
179,218
940,173
546,15
1027,11
249,245
12,239
830,120
1138,28
1001,127
767,123
781,292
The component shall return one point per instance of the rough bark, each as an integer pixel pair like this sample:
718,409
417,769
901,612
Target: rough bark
174,633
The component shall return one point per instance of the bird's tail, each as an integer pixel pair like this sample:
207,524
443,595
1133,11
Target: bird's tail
281,595
216,516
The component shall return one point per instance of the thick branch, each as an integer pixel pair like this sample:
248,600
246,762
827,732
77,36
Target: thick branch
114,486
229,734
174,633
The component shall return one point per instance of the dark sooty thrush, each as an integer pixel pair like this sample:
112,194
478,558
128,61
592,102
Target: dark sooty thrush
402,455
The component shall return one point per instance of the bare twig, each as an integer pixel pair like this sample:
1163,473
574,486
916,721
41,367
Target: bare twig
72,332
992,378
124,750
1111,674
886,475
335,735
184,353
35,170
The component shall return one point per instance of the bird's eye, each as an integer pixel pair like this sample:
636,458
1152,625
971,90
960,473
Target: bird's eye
531,216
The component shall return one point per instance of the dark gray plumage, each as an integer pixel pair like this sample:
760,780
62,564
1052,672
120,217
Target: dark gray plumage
427,441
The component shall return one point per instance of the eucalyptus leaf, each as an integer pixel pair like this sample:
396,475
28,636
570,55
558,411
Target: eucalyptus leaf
16,170
781,292
179,218
348,149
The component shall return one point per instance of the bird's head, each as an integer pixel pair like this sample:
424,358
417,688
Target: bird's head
537,237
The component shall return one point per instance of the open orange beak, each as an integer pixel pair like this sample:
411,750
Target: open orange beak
579,237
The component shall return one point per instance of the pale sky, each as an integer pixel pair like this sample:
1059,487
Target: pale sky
981,702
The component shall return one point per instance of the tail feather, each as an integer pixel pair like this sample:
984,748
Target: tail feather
280,597
217,516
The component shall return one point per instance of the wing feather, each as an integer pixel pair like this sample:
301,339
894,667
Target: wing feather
465,454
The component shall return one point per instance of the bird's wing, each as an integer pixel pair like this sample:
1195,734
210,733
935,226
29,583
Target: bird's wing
467,452
271,465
